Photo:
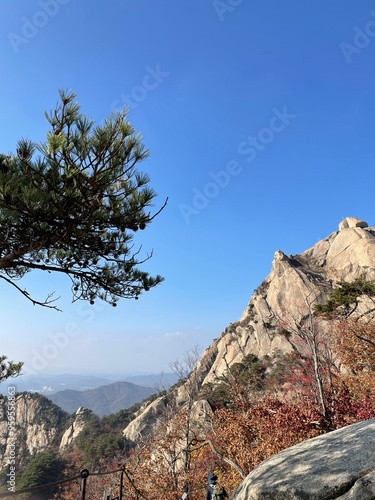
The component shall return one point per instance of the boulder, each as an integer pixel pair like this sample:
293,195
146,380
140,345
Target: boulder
337,465
352,222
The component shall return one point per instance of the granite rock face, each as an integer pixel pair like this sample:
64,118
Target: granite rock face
352,222
346,254
144,420
29,423
337,465
75,428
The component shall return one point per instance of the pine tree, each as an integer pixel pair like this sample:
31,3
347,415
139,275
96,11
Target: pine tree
71,205
9,369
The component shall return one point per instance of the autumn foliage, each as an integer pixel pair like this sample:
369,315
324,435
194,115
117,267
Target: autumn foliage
258,407
355,345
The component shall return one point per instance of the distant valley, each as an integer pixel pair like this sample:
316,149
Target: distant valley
102,395
103,400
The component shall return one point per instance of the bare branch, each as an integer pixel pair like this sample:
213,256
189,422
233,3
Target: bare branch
46,303
219,455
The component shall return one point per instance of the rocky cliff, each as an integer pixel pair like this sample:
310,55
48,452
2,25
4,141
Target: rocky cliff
31,423
294,283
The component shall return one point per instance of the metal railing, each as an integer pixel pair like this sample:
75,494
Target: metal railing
84,474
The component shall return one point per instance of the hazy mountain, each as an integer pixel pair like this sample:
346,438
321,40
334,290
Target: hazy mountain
50,384
103,400
160,381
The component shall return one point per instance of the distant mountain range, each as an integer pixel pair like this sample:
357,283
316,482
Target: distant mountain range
161,381
101,395
103,400
50,384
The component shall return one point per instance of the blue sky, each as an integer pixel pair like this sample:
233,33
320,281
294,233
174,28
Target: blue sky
259,116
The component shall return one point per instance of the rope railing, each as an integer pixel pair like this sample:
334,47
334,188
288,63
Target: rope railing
83,475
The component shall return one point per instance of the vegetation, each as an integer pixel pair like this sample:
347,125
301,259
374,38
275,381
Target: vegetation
343,300
255,409
43,468
9,369
72,204
233,388
97,446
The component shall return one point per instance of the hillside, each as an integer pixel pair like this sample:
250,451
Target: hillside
159,381
280,375
345,254
47,384
103,400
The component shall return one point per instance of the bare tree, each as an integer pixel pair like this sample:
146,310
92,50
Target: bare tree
187,371
311,330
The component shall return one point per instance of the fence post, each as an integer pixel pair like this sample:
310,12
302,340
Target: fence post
121,485
84,475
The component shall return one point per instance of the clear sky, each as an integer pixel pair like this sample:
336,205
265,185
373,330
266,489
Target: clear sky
259,116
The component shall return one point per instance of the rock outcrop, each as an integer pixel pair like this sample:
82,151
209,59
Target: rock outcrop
337,465
29,423
346,254
352,222
144,420
75,427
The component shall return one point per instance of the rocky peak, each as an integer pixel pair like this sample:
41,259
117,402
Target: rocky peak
346,254
350,222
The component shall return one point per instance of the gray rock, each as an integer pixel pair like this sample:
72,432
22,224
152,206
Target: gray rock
337,465
364,488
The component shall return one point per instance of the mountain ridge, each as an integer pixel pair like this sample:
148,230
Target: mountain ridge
294,282
345,254
52,383
102,400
